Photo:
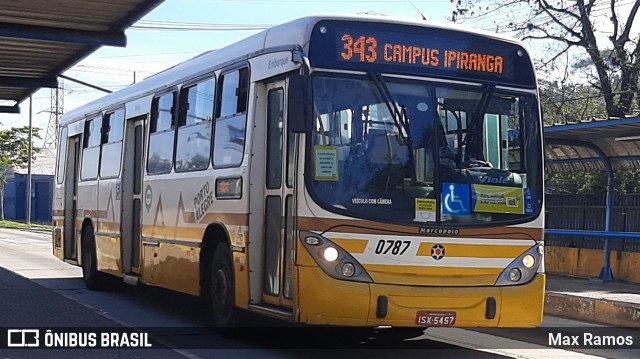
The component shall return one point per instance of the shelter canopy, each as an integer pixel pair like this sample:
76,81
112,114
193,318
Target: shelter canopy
40,39
575,146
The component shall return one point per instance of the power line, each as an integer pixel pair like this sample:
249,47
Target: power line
194,26
151,54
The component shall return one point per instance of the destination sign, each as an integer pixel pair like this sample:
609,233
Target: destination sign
419,50
371,49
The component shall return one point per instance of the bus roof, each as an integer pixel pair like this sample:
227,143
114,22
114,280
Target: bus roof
295,33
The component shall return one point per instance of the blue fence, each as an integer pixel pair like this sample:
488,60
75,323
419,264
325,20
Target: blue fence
15,198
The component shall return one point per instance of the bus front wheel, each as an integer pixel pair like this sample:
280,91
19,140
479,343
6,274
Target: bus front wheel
93,279
222,292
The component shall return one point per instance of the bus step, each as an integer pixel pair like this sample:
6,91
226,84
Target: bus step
131,279
272,311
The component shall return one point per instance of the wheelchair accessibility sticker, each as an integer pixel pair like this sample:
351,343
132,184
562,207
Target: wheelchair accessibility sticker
456,199
463,199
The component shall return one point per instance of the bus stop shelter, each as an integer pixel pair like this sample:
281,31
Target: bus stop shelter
595,145
40,39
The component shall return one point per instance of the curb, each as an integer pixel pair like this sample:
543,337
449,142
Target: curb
592,310
34,230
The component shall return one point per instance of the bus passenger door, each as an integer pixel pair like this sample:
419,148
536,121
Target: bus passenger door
278,202
131,194
71,197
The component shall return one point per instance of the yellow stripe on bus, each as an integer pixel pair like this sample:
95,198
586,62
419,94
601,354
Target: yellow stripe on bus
352,245
474,251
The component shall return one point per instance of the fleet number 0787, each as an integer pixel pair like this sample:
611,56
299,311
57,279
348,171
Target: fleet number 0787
392,246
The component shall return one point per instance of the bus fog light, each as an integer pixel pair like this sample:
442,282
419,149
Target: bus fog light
330,254
528,261
515,274
348,269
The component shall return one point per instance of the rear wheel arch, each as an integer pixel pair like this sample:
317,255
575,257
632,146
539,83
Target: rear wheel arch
93,279
215,234
87,222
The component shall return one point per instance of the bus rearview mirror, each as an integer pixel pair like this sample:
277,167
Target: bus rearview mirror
299,120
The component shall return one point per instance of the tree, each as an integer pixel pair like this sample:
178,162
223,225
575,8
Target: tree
14,152
575,25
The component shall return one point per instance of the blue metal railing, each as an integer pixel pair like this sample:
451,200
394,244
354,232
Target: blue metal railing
605,274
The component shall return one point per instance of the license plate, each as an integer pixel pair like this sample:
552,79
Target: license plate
435,319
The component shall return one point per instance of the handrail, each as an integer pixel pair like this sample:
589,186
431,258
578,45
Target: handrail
605,274
603,234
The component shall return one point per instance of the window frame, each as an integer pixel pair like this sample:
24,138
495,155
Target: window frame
63,148
86,140
105,139
153,130
183,100
218,108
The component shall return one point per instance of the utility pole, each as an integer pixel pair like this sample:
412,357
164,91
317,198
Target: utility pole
30,158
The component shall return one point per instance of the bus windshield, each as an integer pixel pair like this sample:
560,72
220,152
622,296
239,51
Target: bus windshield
409,151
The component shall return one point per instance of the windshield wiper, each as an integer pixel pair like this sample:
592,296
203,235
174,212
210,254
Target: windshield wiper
397,114
473,147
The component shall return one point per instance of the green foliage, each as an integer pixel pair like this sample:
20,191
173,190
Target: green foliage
19,225
14,149
625,182
566,102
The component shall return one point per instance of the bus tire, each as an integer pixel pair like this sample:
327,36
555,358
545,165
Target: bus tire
93,279
221,298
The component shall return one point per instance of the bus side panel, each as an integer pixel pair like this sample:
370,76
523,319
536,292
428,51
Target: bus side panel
171,240
178,209
107,226
58,221
107,248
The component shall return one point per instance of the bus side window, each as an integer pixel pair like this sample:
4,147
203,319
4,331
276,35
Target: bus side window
228,145
91,148
62,157
233,97
112,132
194,129
161,134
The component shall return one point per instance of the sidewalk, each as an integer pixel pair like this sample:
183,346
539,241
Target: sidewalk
591,300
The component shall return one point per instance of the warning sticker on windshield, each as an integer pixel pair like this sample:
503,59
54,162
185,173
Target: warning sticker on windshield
497,199
425,210
326,163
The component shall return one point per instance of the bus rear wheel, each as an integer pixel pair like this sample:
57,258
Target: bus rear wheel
221,289
93,279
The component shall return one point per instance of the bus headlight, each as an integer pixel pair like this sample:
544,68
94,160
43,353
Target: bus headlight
334,261
524,268
330,254
528,261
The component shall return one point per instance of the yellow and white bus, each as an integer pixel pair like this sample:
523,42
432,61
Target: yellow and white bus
340,170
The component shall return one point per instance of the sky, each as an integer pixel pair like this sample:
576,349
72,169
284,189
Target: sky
151,51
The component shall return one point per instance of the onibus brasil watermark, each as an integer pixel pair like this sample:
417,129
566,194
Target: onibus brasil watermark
65,338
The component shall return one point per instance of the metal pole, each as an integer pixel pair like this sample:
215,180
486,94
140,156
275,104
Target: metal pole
606,274
29,162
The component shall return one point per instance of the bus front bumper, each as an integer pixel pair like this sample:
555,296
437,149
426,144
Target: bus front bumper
324,300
